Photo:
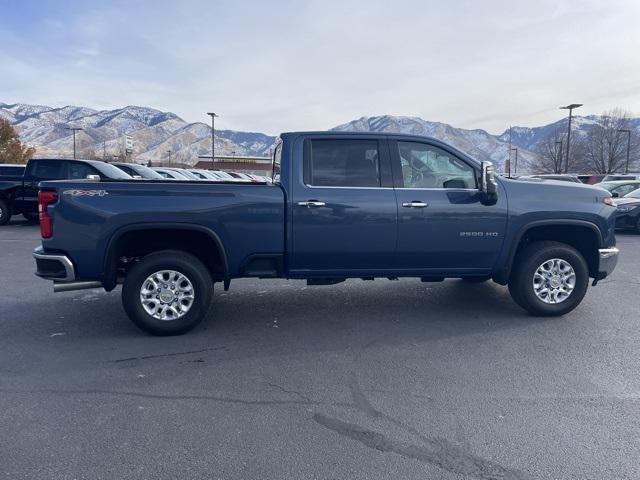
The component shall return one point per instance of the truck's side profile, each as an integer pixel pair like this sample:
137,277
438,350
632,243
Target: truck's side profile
342,205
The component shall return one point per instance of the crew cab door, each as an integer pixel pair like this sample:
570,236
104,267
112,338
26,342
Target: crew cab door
443,225
343,206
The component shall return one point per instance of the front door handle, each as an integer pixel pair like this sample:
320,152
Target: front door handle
415,204
311,203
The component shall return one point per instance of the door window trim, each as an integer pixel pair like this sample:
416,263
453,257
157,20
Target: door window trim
396,165
385,174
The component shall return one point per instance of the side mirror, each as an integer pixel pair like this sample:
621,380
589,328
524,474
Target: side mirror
93,177
615,194
488,183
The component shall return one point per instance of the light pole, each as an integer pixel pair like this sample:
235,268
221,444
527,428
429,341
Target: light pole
558,165
570,108
628,132
74,130
515,167
169,152
213,116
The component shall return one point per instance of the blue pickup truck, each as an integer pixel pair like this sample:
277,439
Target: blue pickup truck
340,205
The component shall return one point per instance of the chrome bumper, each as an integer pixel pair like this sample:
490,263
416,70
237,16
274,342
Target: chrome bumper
59,268
608,259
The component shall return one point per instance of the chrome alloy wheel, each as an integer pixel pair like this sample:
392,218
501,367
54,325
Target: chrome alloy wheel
554,281
167,295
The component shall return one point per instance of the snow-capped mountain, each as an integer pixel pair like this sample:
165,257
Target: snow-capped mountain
533,138
477,143
154,133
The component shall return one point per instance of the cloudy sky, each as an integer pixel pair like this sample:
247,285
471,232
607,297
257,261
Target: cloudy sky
280,65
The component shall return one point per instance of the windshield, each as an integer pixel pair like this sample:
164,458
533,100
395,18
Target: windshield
634,194
110,171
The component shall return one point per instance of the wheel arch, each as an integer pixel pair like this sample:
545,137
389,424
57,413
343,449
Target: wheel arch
174,236
583,235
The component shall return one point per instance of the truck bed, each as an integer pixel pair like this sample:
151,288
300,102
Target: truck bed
248,218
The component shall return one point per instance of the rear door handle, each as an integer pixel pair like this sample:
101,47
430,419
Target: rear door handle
415,204
312,203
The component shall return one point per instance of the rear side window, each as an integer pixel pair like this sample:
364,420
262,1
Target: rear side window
49,170
342,163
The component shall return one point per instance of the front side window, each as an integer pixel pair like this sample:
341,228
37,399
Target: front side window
77,170
342,163
427,166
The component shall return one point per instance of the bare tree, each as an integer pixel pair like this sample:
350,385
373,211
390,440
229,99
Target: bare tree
551,158
604,148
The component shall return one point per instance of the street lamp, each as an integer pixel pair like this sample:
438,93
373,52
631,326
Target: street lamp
213,116
628,132
169,152
515,167
74,130
570,108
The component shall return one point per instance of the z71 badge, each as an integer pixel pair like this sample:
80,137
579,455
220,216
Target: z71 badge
85,193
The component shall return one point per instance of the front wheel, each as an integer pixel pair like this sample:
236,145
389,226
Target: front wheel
549,278
5,212
167,292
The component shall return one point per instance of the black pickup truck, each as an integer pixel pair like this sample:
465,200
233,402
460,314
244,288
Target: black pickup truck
19,192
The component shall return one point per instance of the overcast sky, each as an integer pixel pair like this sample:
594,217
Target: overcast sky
277,66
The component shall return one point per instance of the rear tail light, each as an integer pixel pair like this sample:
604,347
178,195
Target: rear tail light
46,222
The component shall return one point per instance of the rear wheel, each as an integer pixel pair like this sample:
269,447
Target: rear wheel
167,292
5,212
549,278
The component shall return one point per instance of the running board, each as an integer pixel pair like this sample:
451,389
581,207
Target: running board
70,286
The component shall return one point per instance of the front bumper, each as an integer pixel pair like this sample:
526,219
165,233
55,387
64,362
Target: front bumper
608,259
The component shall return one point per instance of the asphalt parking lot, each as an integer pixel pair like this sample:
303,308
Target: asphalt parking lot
360,380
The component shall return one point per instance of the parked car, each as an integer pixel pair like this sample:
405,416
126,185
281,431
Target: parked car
184,172
344,205
242,177
617,177
628,211
559,177
11,169
135,169
620,188
19,193
171,174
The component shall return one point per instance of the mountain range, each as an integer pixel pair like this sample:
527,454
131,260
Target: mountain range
155,133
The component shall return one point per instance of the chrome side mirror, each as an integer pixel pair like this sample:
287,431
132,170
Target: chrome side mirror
488,183
93,177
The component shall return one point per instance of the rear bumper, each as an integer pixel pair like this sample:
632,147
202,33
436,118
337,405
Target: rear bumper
608,259
59,268
54,266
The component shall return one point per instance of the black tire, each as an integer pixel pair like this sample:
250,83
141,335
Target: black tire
525,265
177,261
5,212
31,217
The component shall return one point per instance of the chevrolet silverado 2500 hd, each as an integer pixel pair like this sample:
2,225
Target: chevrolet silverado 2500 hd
340,205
